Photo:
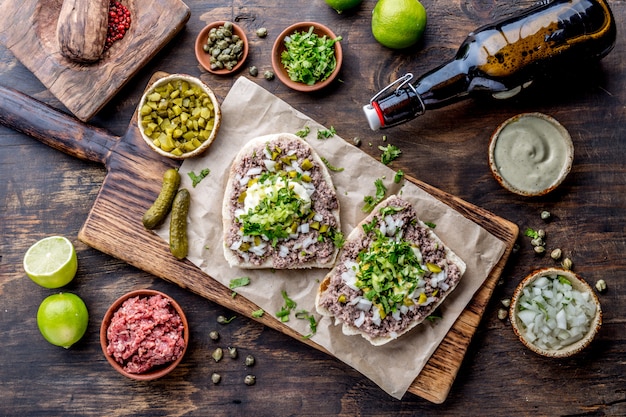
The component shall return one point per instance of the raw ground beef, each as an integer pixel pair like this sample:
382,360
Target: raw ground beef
145,333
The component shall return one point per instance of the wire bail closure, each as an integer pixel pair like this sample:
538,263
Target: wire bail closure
402,82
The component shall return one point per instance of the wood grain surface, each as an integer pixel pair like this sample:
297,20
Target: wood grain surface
44,191
85,88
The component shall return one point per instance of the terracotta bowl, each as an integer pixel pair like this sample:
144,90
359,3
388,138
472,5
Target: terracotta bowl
216,109
578,284
156,372
204,58
523,146
279,47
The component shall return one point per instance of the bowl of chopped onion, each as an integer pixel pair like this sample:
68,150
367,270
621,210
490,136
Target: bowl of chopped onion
555,313
307,56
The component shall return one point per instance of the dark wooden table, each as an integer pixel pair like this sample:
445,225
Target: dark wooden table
45,192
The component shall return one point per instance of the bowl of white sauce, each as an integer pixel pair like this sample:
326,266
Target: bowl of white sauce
530,154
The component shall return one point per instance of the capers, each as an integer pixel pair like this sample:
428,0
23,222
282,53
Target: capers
232,352
600,286
254,71
249,380
269,75
261,32
545,215
214,335
224,47
249,360
567,264
217,354
216,378
556,254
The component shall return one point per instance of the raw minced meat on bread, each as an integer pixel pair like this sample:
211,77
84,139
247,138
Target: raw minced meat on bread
392,273
280,207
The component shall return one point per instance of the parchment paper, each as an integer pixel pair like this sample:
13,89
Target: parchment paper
250,111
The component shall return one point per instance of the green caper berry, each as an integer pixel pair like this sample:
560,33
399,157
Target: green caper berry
567,263
254,71
216,378
545,215
217,354
261,32
556,254
249,360
232,352
228,25
539,249
222,320
269,75
249,380
357,141
601,285
214,335
206,47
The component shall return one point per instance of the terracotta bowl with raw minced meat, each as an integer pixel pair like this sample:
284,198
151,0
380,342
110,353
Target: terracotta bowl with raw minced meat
144,334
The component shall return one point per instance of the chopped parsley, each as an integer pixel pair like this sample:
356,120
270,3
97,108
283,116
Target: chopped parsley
390,153
398,176
531,233
372,201
285,310
258,313
304,315
238,282
326,133
196,178
304,132
430,224
309,58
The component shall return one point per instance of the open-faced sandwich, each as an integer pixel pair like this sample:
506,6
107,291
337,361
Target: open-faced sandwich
280,207
392,273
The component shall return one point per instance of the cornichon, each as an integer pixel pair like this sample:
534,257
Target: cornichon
162,205
179,245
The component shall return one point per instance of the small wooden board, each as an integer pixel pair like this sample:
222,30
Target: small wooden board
28,30
133,180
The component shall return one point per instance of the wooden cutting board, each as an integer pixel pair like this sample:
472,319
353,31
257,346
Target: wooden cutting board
132,182
28,30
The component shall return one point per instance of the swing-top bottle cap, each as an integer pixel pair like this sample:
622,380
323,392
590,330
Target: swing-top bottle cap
373,116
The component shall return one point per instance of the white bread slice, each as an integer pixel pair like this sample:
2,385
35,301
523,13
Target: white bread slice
312,249
329,301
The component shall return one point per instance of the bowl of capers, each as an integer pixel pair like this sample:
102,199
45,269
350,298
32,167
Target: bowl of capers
221,47
179,116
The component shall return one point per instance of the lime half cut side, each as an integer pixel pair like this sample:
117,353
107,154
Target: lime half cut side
51,262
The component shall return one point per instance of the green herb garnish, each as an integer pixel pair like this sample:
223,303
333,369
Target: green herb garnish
371,202
329,166
398,176
258,313
326,133
285,310
304,132
196,178
531,233
430,224
309,58
390,152
304,315
238,282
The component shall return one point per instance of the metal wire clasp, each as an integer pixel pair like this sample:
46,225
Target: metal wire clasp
402,82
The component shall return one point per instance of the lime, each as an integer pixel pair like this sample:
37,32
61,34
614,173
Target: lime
62,319
51,262
341,5
398,24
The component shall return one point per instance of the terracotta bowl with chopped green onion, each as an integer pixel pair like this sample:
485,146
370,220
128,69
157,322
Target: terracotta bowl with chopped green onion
179,116
307,56
555,313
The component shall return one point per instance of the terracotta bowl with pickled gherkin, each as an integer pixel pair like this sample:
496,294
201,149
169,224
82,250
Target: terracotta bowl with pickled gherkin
179,116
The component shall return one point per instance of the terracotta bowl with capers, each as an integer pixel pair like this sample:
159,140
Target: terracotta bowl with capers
221,47
179,116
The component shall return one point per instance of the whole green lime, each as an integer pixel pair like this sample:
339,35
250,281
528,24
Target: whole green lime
398,24
341,5
62,319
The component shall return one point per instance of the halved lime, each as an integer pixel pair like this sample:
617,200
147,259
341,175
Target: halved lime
62,319
51,262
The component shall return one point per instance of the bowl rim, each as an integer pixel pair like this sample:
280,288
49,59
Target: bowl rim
278,47
201,55
565,169
159,371
579,284
216,108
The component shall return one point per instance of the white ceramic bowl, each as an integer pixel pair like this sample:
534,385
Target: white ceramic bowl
216,114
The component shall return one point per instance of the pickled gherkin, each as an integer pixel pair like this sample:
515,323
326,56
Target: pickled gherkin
177,116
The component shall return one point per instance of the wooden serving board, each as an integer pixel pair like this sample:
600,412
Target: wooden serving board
132,182
28,30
